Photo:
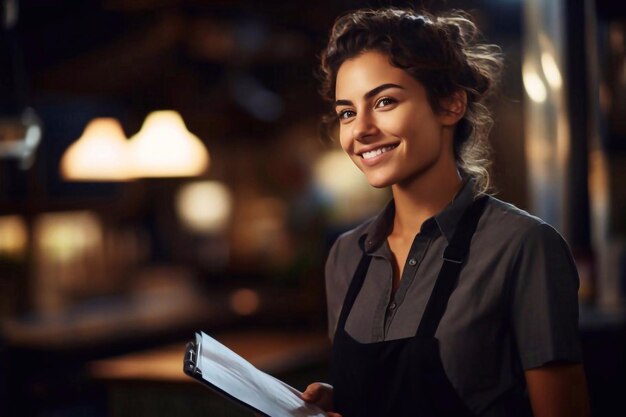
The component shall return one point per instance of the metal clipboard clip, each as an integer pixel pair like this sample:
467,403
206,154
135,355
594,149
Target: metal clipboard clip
192,358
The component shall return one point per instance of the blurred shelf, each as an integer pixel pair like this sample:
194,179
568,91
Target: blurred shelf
272,351
109,319
98,326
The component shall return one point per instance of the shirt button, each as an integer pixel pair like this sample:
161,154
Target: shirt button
392,306
412,262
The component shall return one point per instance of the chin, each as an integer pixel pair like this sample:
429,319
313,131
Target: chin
379,182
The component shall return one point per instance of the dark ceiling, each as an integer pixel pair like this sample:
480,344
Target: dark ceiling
239,66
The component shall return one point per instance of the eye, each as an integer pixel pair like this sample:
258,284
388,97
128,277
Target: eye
345,114
384,102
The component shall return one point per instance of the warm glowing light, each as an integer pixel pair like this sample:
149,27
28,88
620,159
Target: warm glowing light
245,301
345,188
100,154
534,86
165,148
204,206
337,175
551,70
64,236
13,236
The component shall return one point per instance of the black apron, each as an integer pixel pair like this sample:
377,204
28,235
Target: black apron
403,377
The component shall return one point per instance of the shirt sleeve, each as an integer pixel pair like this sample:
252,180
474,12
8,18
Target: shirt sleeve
545,299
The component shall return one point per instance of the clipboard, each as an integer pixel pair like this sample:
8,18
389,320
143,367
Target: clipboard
190,367
223,371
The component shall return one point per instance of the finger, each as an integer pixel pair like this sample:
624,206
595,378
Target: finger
312,393
331,414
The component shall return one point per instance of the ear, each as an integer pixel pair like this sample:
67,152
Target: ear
453,108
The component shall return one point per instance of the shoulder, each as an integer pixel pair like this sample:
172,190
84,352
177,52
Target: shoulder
345,254
514,235
353,238
505,220
534,247
503,214
341,263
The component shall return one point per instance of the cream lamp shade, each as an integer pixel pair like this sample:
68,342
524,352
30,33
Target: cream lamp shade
165,148
100,154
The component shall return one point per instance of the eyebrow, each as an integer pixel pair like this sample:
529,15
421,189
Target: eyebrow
369,94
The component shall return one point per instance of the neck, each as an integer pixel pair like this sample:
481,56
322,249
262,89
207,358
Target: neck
421,199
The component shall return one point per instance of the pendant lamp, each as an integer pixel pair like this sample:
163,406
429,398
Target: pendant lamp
165,148
100,154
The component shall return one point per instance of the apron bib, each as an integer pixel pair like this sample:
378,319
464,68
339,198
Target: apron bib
403,377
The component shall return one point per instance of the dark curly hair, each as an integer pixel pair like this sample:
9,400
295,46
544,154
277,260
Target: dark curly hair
442,52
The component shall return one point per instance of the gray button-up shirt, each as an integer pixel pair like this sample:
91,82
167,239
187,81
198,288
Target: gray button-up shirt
515,306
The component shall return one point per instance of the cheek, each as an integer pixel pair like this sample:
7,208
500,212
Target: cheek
412,126
398,122
344,139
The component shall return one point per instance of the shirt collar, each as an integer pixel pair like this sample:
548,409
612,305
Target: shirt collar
448,218
445,221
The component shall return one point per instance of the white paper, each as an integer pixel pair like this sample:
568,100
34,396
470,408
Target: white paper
234,375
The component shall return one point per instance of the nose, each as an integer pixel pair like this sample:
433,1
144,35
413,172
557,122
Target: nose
363,127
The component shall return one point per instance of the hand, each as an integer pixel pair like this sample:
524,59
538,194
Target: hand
321,395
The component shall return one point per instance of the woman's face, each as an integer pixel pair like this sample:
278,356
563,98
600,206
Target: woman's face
387,125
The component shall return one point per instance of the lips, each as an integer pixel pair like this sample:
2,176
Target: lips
373,153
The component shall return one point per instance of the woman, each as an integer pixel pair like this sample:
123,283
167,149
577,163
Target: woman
450,302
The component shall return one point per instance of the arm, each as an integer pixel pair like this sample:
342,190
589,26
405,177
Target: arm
545,321
558,390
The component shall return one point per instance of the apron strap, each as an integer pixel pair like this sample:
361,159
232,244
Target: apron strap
453,258
355,286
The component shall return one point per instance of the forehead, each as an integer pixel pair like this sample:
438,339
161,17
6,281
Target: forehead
358,75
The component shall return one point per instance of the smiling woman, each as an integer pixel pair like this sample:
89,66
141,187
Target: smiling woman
450,302
385,102
441,53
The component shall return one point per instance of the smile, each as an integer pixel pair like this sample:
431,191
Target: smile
378,151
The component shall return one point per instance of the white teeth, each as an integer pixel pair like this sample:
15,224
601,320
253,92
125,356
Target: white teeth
376,152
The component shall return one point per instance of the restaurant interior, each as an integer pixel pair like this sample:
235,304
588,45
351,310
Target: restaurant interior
163,170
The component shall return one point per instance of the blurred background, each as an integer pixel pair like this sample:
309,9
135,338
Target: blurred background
162,171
